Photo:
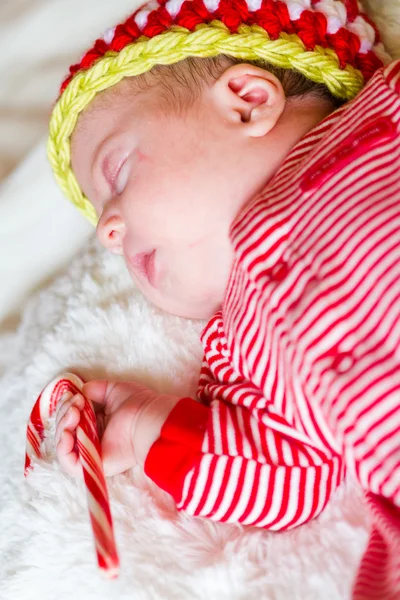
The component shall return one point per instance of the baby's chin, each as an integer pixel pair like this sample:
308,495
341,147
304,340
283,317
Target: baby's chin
179,308
177,304
174,297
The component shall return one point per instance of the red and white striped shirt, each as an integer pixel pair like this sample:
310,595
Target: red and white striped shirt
301,375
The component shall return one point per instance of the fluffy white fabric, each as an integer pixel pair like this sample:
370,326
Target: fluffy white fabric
91,320
94,322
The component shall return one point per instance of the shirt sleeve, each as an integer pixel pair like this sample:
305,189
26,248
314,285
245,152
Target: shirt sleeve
227,463
391,75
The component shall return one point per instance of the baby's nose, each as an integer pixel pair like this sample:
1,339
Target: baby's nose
110,232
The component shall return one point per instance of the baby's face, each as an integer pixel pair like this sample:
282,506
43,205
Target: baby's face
166,185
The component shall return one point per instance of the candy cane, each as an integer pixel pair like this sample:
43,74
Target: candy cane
90,457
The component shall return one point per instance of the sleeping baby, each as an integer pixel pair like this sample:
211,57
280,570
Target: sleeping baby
244,159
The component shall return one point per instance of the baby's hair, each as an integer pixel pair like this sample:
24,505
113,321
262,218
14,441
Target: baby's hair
193,73
180,84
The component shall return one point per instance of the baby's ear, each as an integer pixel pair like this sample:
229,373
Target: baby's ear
249,97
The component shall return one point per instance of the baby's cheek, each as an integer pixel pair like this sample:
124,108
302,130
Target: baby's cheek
197,276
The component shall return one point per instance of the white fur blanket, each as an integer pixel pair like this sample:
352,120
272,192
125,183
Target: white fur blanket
93,321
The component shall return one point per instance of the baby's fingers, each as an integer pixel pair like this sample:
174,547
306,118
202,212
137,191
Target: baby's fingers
68,422
67,457
67,413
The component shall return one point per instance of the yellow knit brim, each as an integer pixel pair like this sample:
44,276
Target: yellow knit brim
250,43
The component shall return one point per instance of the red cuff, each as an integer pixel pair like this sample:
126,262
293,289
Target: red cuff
178,449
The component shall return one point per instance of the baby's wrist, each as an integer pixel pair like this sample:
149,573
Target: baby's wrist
148,425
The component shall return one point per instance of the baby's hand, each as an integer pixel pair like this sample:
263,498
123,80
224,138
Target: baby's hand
129,418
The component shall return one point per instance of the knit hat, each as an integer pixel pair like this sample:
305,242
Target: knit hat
329,41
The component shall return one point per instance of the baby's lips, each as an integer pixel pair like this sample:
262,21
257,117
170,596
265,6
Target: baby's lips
143,264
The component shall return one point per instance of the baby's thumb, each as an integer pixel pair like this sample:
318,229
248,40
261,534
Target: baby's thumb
96,391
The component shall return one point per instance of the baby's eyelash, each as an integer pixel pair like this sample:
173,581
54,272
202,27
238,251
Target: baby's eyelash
111,167
122,178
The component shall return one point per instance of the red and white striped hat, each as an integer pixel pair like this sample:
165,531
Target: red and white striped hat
330,41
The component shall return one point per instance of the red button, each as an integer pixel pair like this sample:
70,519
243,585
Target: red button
279,271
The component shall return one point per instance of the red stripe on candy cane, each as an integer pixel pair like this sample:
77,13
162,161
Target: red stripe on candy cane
89,451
